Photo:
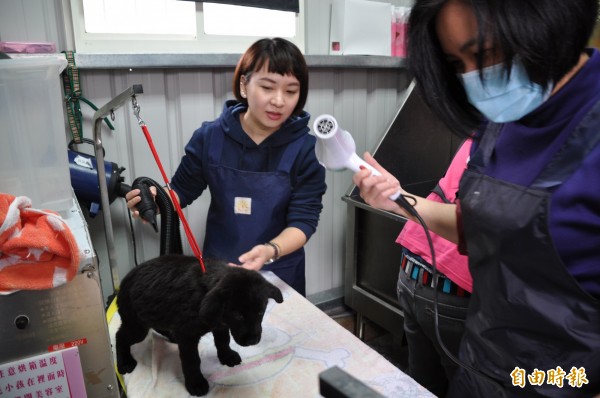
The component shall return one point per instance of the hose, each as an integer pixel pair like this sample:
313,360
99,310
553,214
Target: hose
170,236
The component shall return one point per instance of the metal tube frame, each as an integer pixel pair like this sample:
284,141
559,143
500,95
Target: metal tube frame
108,109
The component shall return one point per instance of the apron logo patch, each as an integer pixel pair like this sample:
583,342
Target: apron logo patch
242,205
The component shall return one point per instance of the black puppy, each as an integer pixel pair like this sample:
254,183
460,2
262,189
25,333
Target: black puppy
171,294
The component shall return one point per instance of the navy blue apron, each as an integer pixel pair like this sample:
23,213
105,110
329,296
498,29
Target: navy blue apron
249,208
527,312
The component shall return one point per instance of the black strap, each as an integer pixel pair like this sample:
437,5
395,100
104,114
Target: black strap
438,191
485,147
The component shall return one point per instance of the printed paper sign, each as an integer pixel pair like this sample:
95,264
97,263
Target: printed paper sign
43,376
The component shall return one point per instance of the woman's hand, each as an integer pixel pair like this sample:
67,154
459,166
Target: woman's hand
133,198
256,257
376,190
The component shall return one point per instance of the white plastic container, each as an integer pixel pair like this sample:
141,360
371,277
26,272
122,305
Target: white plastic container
33,141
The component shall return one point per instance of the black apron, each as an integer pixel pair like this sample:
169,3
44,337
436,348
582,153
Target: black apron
248,208
527,312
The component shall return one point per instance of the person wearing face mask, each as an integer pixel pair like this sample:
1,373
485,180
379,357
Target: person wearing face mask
519,73
258,161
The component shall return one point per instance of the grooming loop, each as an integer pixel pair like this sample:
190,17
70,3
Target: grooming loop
186,227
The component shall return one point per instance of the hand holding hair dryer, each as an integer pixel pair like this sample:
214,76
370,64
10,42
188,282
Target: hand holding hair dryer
336,150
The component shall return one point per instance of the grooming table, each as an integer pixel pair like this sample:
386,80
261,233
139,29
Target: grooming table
299,341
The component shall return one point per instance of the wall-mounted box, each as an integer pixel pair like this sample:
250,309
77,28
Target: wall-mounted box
360,27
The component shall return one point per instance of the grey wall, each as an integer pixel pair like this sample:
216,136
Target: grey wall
176,101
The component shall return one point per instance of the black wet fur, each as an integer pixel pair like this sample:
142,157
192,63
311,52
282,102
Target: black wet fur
171,294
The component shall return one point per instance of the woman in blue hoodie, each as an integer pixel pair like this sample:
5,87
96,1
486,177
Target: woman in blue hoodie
258,161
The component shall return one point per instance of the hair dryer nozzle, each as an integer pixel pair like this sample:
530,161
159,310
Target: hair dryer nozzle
335,148
146,207
325,126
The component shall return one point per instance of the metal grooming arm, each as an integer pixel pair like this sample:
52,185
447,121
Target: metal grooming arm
100,114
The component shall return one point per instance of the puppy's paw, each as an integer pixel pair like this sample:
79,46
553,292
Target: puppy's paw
126,366
197,387
229,357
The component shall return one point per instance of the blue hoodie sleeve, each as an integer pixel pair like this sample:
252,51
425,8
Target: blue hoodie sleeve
188,180
308,190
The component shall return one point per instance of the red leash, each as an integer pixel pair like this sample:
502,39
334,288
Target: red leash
186,227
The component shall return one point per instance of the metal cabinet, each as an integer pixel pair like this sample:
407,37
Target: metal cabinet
417,148
35,323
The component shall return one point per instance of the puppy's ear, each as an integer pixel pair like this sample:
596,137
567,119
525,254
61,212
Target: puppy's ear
212,306
274,293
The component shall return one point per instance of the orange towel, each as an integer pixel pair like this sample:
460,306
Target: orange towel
37,248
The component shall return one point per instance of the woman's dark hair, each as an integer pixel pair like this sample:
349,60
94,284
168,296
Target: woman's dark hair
548,36
282,57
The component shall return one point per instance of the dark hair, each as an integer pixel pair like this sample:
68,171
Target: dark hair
282,57
548,36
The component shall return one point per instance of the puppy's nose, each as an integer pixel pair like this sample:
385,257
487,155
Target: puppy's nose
248,338
252,340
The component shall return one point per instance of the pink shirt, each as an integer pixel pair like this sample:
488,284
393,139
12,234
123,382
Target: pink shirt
449,262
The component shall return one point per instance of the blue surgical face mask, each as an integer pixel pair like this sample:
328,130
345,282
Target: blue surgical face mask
500,98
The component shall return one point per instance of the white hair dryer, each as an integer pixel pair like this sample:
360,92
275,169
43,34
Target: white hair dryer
336,150
335,147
